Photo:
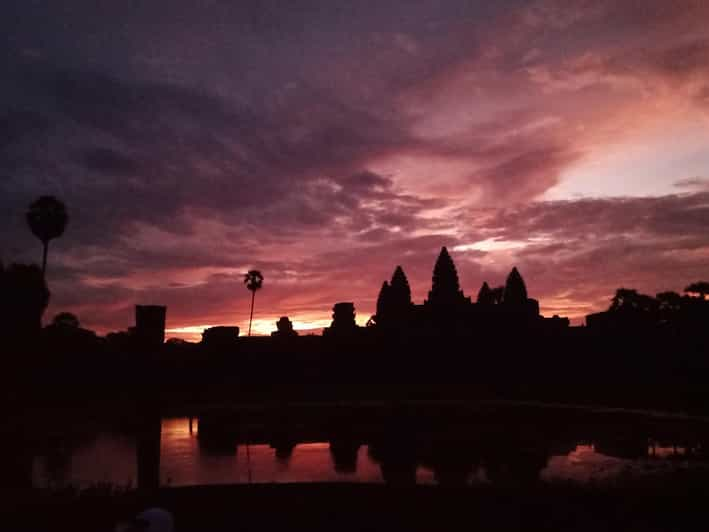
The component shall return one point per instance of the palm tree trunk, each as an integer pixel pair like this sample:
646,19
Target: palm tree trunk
251,318
44,258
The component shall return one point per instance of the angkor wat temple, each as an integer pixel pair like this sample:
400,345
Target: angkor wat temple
447,309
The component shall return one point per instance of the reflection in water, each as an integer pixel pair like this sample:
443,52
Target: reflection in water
583,464
107,459
283,451
186,461
344,455
396,459
216,454
674,451
148,451
522,466
629,447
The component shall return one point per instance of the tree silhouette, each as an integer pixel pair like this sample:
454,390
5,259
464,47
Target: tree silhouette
623,298
700,287
669,301
66,320
669,305
515,289
24,298
629,299
253,280
47,219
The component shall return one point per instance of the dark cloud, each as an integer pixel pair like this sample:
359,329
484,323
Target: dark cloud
16,125
192,151
525,176
692,183
682,215
685,58
107,161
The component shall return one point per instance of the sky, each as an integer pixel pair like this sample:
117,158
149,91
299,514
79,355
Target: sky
325,142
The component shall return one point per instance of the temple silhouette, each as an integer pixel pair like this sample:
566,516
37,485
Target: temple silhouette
450,345
447,309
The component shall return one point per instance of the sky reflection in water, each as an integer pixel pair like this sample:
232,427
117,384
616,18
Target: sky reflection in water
110,459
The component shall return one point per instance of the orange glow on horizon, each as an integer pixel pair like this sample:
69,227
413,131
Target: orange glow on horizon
304,324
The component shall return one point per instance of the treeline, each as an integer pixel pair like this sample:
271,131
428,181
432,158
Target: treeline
632,312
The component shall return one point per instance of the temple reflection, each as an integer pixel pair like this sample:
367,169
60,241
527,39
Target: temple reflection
402,454
344,454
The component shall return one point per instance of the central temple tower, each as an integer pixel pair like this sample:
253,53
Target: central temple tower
445,289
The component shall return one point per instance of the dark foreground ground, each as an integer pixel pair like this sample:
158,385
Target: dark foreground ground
673,504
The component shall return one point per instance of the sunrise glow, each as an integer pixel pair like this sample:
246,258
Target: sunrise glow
539,134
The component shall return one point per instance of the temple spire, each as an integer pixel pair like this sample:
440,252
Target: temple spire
515,289
445,288
382,303
399,289
394,302
485,295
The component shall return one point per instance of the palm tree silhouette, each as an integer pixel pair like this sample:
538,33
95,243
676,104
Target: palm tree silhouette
47,219
253,281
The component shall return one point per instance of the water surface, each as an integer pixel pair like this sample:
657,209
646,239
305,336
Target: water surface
189,457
